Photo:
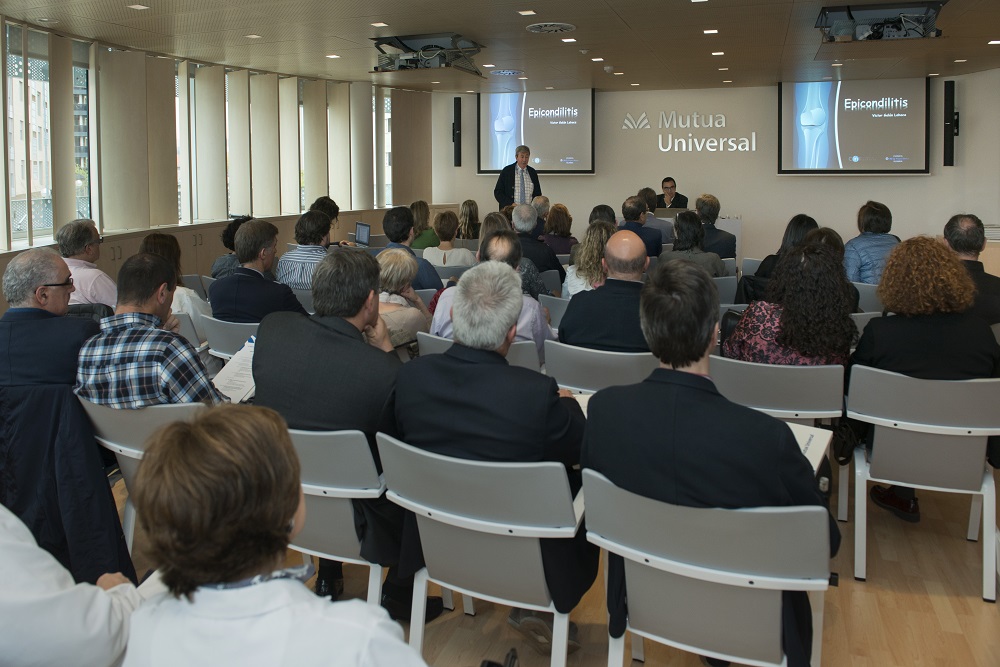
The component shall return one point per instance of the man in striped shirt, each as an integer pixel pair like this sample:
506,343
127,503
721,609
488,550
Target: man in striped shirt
312,234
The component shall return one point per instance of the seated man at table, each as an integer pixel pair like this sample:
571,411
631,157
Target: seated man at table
719,241
500,413
683,443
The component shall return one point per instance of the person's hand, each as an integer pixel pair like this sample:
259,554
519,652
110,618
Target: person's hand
410,295
350,243
112,579
565,393
548,316
378,335
172,324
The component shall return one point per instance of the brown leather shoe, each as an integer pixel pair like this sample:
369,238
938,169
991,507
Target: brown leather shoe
906,509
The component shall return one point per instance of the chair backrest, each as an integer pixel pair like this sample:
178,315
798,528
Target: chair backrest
869,301
469,244
653,261
791,393
728,566
206,282
582,369
996,331
226,338
431,344
750,266
730,263
727,288
379,241
94,311
419,252
551,280
563,259
927,432
305,297
523,353
426,295
336,467
193,281
480,522
861,320
187,330
667,247
446,272
556,305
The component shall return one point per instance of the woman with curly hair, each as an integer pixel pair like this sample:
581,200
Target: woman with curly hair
588,272
468,220
806,319
930,336
559,230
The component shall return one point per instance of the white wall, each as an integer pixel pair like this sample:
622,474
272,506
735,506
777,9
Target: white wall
747,183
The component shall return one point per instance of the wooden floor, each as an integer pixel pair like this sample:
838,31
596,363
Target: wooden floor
921,605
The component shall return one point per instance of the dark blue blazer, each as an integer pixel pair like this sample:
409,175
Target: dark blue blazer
719,241
504,190
39,348
606,318
247,296
651,237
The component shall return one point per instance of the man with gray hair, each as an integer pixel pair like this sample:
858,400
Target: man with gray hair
41,344
502,413
80,245
517,182
541,205
719,241
524,219
966,235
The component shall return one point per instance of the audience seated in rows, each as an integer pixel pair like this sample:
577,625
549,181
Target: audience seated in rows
607,318
334,371
445,253
247,295
134,362
634,211
932,335
531,280
795,233
588,272
559,230
403,311
721,242
312,238
80,245
865,255
964,233
805,319
224,265
675,439
398,227
423,235
501,413
689,235
468,220
501,246
665,227
229,483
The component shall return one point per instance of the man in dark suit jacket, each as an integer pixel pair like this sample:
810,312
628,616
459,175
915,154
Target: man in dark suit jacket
469,403
508,188
675,439
719,241
634,211
41,346
246,295
967,237
335,371
398,227
542,256
607,318
676,199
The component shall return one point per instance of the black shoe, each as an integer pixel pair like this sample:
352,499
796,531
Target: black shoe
399,610
536,627
329,588
907,509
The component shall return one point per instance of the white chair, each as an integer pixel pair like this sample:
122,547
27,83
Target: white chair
667,247
557,307
207,281
727,288
337,466
861,320
730,266
653,261
522,353
193,281
928,434
419,252
480,524
468,244
446,272
226,338
305,297
551,280
585,370
707,580
125,433
563,259
750,266
869,301
378,241
426,295
188,332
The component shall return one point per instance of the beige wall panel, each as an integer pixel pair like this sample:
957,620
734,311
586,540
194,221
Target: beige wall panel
288,145
264,144
315,160
239,141
210,143
161,141
411,147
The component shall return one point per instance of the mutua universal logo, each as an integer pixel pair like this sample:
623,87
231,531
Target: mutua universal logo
704,136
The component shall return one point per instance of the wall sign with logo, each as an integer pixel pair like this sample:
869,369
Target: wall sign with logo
693,133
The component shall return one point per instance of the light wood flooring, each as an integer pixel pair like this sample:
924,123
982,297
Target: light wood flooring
921,605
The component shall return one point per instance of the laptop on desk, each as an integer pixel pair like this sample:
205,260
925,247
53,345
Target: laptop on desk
362,234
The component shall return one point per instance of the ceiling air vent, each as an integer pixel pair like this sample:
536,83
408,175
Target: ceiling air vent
507,72
550,28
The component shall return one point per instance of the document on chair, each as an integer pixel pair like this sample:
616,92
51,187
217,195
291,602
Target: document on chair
814,442
235,380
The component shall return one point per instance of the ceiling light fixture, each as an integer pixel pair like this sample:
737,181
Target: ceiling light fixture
523,78
728,81
711,31
252,36
435,82
549,87
379,24
993,42
723,69
332,56
718,53
633,84
934,74
488,65
136,7
837,65
619,73
598,60
699,0
527,12
48,21
568,39
961,60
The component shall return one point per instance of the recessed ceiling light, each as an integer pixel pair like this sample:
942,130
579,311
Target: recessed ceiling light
527,12
711,31
619,73
568,39
598,60
728,81
48,21
523,78
718,53
699,0
993,42
837,65
961,60
435,82
633,84
252,36
470,91
549,87
137,7
489,65
723,69
933,74
332,56
379,24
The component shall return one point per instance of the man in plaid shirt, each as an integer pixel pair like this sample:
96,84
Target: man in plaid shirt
133,363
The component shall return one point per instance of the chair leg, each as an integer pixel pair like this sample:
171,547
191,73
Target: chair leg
974,514
374,584
468,606
989,544
860,513
447,599
128,524
616,651
418,611
638,652
843,480
816,600
560,639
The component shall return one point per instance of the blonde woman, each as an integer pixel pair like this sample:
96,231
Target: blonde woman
468,220
588,271
446,254
403,311
423,235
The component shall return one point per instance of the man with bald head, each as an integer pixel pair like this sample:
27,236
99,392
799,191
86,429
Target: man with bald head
607,318
41,345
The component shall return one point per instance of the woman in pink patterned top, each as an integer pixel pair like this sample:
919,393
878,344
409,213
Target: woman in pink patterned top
805,320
